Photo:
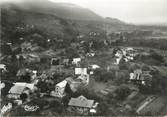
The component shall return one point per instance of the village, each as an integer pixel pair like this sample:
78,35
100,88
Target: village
65,59
82,84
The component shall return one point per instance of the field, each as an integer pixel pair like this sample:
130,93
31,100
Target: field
155,107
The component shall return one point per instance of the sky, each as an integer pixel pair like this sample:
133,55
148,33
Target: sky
130,11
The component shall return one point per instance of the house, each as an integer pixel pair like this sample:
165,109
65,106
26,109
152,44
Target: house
91,54
76,61
84,78
2,67
74,84
94,66
66,61
143,77
20,88
80,71
16,91
81,105
117,61
127,54
119,54
91,68
59,89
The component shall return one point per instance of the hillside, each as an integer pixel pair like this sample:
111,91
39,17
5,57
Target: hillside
58,20
54,20
63,10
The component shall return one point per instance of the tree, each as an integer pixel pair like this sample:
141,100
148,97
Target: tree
156,56
23,96
57,107
122,92
102,75
103,109
42,86
6,49
25,78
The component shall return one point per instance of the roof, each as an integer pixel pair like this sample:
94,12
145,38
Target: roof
80,70
76,59
17,89
95,66
20,86
62,84
30,86
2,66
81,101
139,71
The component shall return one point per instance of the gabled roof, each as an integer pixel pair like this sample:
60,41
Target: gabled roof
62,84
81,101
17,89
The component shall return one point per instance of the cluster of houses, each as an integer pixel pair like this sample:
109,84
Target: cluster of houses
126,54
81,105
19,93
22,91
141,77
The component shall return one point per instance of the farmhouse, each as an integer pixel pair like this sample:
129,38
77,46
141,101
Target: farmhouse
80,71
141,76
81,105
84,78
74,84
94,66
20,88
59,89
76,61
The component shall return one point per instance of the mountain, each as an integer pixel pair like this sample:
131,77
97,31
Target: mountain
114,21
62,10
57,18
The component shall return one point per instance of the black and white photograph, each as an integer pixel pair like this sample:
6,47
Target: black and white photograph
83,58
